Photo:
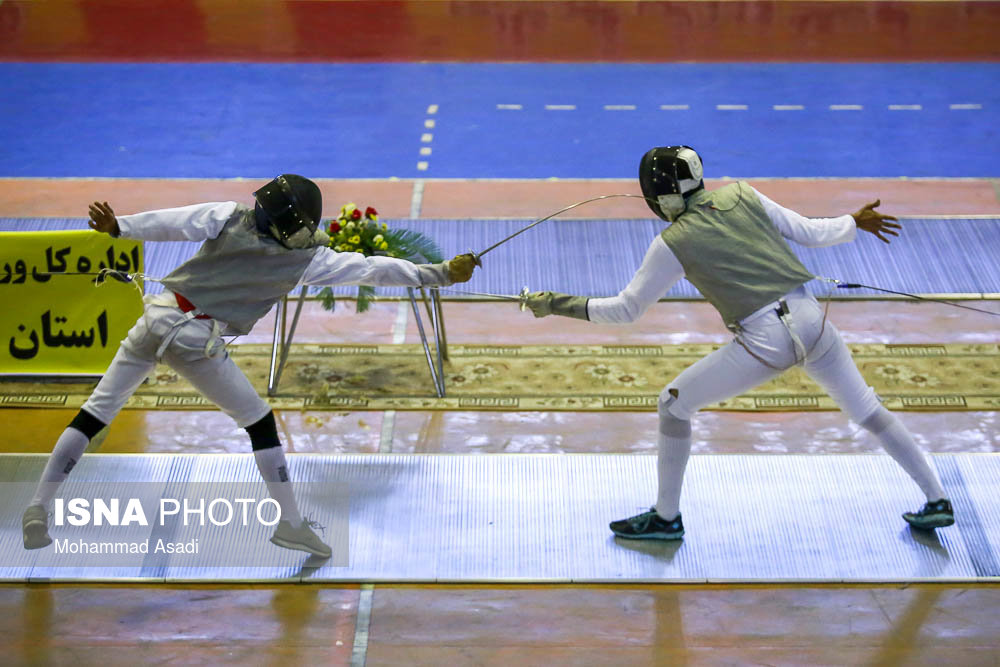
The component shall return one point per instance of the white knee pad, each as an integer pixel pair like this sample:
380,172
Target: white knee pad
673,422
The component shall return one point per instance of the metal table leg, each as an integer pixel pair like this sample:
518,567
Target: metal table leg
280,339
440,321
282,343
436,376
436,316
438,340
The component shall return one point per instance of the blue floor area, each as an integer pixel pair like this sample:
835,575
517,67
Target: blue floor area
599,257
492,121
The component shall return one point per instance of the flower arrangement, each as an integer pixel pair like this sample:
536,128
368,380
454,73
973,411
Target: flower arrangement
354,231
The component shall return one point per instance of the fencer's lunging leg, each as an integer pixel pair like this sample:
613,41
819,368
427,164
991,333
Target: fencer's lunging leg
293,532
901,446
726,372
132,363
273,468
67,452
835,371
673,450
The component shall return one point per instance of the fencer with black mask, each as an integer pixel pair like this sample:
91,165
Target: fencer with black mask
249,259
289,208
730,244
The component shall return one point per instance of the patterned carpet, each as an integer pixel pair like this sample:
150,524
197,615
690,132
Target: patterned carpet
582,377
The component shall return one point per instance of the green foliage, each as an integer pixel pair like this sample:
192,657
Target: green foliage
412,245
362,233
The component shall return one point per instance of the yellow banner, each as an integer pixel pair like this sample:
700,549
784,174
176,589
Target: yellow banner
64,324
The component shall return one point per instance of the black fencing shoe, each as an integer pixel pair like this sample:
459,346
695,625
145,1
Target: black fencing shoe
35,526
302,538
648,526
937,514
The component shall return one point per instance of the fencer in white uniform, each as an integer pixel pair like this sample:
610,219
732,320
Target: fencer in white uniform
730,244
250,258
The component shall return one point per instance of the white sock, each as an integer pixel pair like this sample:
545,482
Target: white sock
67,452
671,460
901,446
274,469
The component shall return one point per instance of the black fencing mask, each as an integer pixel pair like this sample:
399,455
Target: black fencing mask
290,208
667,175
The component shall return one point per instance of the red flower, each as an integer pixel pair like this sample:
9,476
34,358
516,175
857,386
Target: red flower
355,214
334,227
369,212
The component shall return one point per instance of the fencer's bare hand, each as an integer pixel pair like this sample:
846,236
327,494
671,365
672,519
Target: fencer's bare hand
876,223
460,268
102,218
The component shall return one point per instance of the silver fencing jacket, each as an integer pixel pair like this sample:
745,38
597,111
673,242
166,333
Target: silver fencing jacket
661,268
238,274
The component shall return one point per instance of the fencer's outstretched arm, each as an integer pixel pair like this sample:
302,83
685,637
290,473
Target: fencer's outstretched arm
198,222
659,270
352,268
810,232
820,232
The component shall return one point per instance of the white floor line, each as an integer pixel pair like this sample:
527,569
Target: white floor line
399,326
417,199
388,428
359,654
398,337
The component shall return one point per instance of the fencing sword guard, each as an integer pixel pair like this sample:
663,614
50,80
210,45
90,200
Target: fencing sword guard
523,295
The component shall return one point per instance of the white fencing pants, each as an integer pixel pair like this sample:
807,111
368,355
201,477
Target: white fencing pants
193,349
765,345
